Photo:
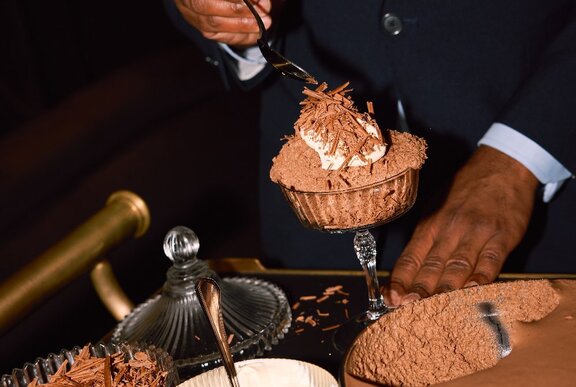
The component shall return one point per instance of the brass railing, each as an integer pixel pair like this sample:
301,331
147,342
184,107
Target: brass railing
125,216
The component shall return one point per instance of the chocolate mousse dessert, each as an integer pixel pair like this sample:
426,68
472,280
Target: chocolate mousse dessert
339,171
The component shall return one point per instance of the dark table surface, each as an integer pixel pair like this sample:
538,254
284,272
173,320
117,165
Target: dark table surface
316,344
317,318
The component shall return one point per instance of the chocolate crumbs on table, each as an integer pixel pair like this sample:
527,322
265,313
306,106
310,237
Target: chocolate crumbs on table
310,321
309,316
332,327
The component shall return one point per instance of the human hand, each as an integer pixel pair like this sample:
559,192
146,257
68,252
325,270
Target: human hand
466,241
226,21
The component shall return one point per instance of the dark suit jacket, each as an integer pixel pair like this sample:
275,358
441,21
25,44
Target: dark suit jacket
458,66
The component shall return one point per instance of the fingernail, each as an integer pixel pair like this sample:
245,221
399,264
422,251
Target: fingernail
471,284
411,297
394,297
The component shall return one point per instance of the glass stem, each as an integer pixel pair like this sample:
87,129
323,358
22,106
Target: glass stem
365,247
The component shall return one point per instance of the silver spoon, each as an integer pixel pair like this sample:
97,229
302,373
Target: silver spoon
277,60
209,294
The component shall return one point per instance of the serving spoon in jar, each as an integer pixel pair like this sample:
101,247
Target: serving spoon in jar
277,60
209,294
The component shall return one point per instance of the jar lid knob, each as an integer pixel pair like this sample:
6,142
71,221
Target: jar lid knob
181,245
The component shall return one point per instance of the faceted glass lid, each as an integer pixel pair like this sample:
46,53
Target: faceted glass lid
256,313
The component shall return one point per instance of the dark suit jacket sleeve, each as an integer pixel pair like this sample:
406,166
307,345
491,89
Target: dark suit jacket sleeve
214,54
544,108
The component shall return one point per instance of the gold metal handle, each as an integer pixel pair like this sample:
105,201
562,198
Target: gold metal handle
125,215
109,290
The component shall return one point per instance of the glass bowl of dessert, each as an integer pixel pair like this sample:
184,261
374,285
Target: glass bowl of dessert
358,207
267,372
341,173
358,210
98,364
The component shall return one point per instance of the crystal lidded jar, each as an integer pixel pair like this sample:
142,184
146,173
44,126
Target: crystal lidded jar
256,312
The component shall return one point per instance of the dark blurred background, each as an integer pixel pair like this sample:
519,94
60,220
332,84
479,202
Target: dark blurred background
102,96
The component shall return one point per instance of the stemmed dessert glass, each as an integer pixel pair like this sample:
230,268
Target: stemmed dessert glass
358,210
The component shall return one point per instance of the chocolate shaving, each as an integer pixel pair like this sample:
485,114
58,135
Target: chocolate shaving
111,371
311,317
311,321
107,372
370,107
331,327
341,178
332,117
338,89
355,151
332,289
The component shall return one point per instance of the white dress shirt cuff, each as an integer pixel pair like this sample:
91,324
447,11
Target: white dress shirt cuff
248,63
542,164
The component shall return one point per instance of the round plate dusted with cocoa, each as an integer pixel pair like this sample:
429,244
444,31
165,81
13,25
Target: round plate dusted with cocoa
448,340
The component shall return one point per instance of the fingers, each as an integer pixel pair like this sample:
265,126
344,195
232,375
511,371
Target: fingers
490,262
409,263
447,261
446,255
466,241
225,21
433,265
221,16
225,8
463,260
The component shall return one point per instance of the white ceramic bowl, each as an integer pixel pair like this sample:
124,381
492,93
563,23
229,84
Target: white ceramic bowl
266,373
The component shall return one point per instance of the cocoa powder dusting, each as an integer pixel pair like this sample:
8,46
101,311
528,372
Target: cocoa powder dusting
297,166
444,336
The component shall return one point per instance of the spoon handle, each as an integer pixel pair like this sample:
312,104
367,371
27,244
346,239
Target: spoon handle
261,28
209,294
